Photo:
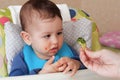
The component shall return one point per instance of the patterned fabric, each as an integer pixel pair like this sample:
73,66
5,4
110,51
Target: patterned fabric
77,14
80,28
3,69
4,18
111,39
13,42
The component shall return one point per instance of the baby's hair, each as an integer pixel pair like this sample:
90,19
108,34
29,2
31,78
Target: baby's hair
44,9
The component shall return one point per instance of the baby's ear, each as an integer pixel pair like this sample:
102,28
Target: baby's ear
26,37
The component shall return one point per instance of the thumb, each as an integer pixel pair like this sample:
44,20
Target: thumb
50,61
91,54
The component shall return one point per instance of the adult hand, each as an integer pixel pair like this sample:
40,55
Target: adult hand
103,62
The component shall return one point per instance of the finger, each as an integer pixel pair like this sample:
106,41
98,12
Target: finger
61,62
91,54
62,68
87,58
67,70
86,53
50,61
58,66
64,60
84,58
74,71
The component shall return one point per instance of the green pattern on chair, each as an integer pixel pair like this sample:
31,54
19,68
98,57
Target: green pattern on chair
95,33
3,63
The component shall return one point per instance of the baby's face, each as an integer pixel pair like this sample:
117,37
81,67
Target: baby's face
46,37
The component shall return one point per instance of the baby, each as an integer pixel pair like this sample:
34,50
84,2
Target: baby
44,51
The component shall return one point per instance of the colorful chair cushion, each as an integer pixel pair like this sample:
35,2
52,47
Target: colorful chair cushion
77,14
4,18
80,28
13,42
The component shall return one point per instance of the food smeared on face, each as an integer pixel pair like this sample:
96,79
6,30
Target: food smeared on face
46,48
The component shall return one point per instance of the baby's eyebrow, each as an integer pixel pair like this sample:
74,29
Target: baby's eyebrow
51,32
61,29
46,33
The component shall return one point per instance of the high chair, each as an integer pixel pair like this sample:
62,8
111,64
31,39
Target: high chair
76,23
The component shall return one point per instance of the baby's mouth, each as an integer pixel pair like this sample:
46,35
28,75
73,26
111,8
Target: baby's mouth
53,50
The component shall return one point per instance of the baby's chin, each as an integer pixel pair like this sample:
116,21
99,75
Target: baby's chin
52,54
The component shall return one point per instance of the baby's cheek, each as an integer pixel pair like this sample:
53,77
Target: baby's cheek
46,48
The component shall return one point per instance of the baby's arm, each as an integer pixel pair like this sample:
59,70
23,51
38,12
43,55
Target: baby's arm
18,66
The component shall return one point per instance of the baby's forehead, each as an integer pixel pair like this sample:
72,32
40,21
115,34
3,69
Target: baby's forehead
42,14
41,17
35,21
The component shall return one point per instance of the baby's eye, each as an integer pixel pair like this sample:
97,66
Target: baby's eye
46,36
59,33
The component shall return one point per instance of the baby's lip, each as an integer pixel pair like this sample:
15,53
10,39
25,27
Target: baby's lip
53,50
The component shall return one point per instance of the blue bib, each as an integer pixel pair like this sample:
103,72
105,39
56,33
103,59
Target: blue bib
34,62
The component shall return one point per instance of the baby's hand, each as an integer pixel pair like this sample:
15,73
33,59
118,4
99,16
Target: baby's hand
51,67
71,65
